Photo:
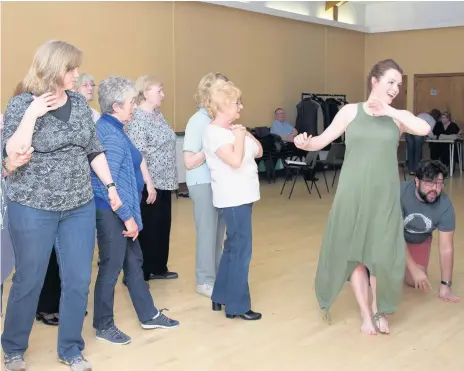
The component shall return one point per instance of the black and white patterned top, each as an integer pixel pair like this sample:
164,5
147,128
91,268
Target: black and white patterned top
57,178
153,136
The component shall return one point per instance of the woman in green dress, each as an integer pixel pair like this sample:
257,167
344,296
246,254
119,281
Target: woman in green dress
364,233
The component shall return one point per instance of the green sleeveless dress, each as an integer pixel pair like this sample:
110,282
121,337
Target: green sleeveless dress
365,222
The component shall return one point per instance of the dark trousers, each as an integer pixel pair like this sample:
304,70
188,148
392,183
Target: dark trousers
155,235
117,253
231,287
49,299
441,151
414,145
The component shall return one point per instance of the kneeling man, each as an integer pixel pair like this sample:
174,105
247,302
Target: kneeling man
425,208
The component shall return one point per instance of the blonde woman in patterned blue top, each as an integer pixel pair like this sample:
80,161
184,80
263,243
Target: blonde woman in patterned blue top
152,135
51,200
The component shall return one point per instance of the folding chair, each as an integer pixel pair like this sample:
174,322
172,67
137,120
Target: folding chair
402,157
306,168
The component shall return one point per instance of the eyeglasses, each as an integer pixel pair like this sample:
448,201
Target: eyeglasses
430,183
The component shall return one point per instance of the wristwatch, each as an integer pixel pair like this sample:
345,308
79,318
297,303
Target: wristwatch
446,283
109,185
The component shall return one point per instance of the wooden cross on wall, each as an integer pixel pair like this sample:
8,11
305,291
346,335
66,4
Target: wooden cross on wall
334,5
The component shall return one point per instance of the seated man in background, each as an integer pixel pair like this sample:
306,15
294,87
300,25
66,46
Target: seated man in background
281,127
425,208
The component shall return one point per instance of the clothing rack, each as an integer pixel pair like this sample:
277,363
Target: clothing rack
342,97
322,95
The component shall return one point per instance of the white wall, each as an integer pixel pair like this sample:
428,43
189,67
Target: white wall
364,16
409,15
351,15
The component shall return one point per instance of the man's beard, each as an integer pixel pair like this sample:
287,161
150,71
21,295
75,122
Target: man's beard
424,195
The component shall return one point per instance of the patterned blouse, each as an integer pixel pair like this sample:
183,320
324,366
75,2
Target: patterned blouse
153,136
57,178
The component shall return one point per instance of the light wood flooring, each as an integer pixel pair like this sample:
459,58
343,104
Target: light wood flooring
427,334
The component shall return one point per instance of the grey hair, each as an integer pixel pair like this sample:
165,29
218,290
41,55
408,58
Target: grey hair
114,89
81,79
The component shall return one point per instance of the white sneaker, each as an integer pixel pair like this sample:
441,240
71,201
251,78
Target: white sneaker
205,289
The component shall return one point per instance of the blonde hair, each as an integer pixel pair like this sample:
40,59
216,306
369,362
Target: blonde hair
81,79
221,93
143,84
204,86
51,62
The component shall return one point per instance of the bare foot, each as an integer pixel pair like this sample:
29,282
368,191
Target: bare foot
382,324
367,327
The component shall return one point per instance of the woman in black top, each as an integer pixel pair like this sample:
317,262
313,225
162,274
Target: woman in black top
441,151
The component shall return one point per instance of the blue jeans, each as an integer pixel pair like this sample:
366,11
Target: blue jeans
117,253
414,145
33,234
231,286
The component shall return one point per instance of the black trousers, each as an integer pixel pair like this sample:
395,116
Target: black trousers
155,235
49,300
440,151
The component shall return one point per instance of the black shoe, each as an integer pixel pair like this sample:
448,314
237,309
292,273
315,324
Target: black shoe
164,276
47,318
217,307
248,316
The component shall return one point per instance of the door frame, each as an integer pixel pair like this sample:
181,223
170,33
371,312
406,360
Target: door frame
422,75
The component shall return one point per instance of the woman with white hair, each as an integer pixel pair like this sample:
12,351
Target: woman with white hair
51,200
230,152
209,225
152,135
85,84
117,231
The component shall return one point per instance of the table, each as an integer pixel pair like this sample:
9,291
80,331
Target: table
457,141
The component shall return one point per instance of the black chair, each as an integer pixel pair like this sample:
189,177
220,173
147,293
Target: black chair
306,168
402,148
334,160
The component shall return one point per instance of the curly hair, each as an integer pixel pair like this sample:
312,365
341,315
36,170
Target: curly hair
204,86
430,169
222,93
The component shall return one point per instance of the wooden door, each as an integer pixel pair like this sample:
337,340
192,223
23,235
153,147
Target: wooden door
442,91
401,100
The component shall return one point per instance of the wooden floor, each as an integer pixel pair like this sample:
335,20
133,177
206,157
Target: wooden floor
427,334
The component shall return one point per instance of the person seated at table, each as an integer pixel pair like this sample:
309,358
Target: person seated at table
282,128
430,118
441,151
414,143
427,207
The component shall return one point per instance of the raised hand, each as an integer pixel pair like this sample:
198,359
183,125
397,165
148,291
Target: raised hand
379,108
43,104
302,141
238,130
